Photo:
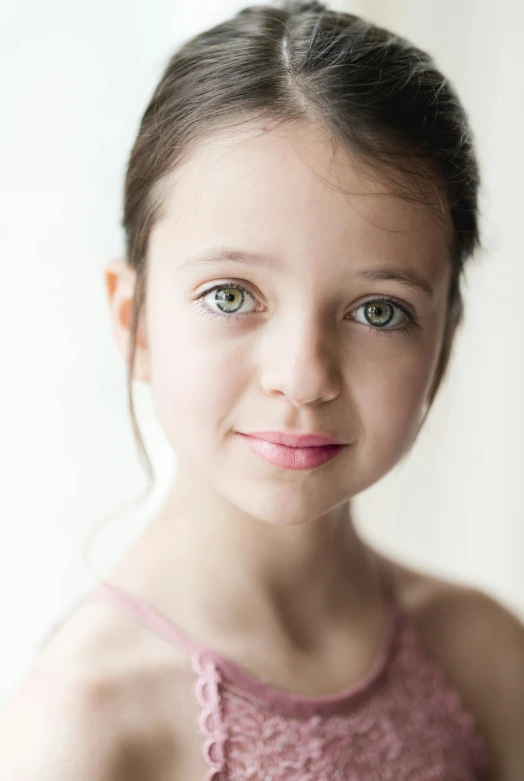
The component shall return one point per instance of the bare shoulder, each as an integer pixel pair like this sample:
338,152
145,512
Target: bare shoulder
51,729
79,710
479,644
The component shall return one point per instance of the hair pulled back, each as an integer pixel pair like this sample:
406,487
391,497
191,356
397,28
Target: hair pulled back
377,94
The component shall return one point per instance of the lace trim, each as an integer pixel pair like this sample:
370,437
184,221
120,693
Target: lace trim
210,719
262,744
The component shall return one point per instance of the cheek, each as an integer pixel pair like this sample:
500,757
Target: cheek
195,382
391,401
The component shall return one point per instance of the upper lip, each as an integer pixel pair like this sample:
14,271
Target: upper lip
295,440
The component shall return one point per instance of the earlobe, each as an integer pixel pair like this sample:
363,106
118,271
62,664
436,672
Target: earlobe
120,281
118,278
120,284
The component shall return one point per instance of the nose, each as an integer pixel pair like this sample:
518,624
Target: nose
299,361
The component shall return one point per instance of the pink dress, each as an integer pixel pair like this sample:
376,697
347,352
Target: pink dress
401,723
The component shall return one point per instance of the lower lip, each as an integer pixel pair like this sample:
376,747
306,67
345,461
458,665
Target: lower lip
292,457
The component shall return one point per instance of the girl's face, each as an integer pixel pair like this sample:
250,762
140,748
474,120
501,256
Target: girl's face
287,341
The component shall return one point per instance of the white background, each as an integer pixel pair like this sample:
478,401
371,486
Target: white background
76,78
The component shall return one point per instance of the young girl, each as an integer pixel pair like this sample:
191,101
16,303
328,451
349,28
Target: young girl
300,203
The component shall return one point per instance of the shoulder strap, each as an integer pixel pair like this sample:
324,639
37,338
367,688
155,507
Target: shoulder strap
158,623
145,613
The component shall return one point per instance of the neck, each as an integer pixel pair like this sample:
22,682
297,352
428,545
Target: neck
219,569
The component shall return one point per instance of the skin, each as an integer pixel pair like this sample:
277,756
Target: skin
264,564
302,359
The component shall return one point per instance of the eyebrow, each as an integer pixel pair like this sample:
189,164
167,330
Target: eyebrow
404,276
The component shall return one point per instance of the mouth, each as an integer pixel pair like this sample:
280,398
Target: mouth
296,440
292,457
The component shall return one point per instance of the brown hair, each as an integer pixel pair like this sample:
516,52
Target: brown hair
376,94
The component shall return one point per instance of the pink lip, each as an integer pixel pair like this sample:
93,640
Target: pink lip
288,457
291,440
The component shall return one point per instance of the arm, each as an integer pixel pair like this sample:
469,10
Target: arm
59,730
480,646
503,689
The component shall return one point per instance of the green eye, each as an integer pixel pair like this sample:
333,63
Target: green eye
379,314
229,299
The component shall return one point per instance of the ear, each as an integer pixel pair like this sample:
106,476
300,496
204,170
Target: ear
120,281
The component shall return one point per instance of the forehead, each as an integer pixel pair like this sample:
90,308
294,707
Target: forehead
289,190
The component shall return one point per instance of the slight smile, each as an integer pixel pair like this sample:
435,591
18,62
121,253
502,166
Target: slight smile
289,456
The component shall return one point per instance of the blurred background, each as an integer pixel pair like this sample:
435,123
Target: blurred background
76,78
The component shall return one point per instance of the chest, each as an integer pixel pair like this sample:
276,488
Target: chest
393,734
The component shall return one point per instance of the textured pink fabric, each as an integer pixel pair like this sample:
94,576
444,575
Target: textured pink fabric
402,723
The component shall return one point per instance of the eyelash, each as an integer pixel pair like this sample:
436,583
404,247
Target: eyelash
413,321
